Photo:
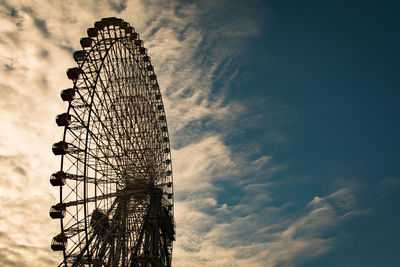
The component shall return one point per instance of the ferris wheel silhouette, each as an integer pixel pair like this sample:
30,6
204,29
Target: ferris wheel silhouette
115,179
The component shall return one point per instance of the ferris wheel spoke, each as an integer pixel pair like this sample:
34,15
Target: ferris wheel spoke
124,68
114,154
95,238
106,136
106,157
108,111
117,224
118,118
94,137
80,159
111,247
119,193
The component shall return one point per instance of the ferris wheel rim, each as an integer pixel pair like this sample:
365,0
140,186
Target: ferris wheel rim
70,106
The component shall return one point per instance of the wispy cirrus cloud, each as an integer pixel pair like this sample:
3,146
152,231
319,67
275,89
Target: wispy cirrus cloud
268,237
195,50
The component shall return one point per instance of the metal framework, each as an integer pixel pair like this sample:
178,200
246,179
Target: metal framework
115,179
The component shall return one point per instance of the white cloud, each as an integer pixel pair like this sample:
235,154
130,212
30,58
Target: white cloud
199,164
36,40
261,238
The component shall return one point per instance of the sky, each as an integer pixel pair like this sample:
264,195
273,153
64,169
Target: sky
283,119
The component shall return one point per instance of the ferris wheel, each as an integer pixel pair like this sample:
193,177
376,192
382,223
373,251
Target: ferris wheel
115,180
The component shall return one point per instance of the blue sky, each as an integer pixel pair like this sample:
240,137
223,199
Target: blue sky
283,120
329,69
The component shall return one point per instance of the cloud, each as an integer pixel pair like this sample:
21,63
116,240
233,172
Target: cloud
260,239
119,6
35,51
225,211
25,228
199,164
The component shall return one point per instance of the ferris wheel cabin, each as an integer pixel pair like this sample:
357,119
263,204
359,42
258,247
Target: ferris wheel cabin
59,242
58,211
58,178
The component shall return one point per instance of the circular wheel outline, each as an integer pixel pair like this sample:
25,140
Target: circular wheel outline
114,32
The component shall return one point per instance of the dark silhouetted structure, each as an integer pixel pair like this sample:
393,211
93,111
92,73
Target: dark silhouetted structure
115,178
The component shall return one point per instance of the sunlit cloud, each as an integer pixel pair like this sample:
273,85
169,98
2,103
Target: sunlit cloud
189,58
